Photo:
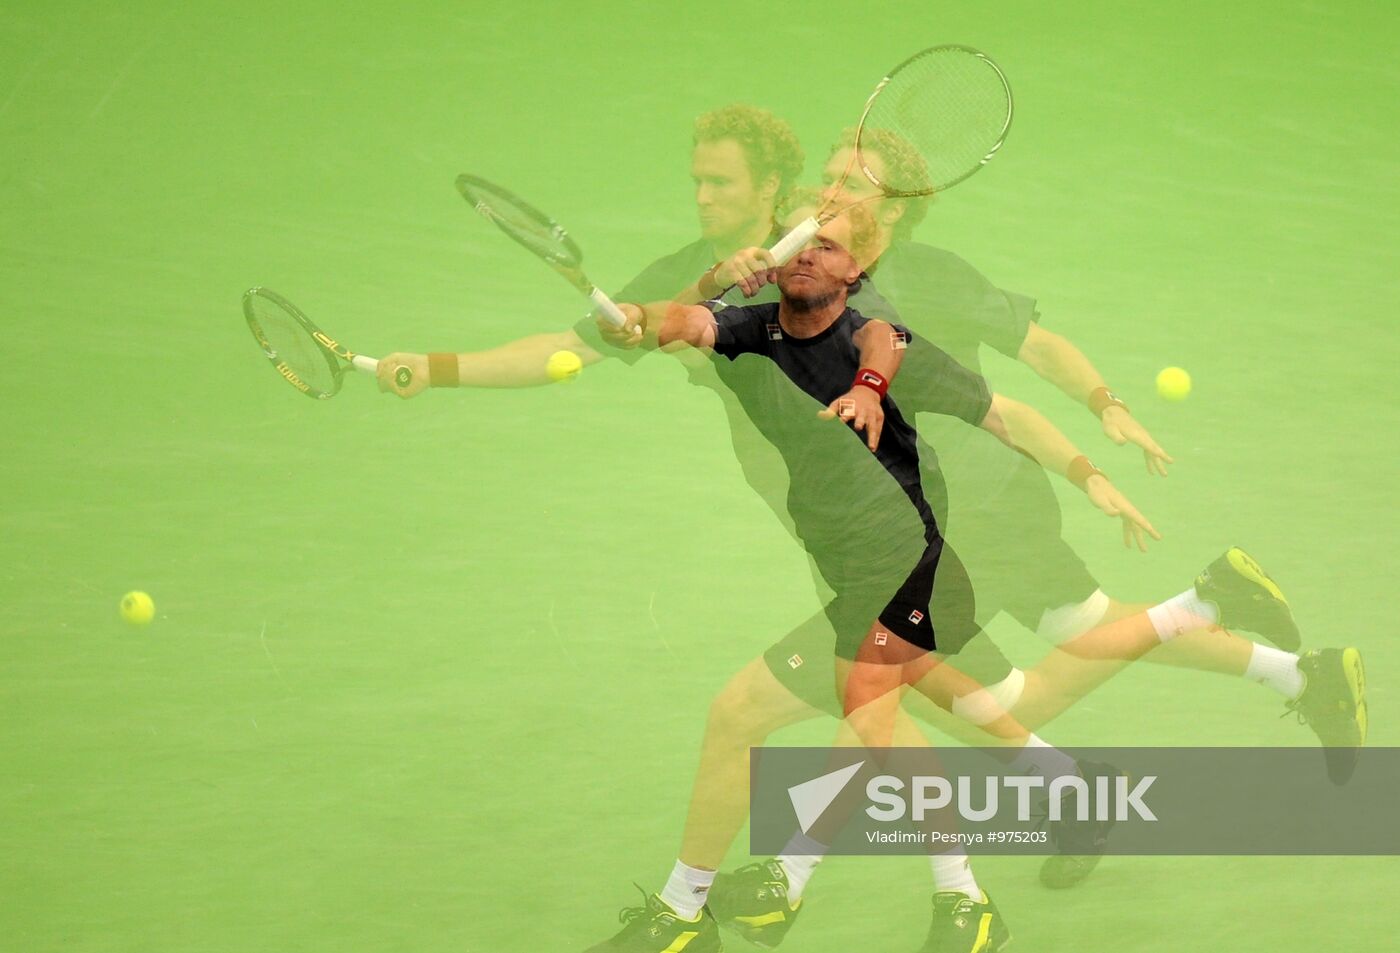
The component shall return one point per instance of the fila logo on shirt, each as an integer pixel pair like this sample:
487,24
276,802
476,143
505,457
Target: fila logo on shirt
775,332
916,617
795,662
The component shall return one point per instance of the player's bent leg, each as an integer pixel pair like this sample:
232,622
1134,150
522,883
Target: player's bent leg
752,705
761,901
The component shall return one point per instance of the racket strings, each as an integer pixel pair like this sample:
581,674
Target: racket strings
288,342
942,115
527,225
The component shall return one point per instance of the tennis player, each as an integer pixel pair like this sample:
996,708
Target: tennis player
743,161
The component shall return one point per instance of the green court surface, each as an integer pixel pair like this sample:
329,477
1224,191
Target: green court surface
432,675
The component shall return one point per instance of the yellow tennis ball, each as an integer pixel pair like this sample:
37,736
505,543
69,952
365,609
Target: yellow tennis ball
1173,383
138,608
563,366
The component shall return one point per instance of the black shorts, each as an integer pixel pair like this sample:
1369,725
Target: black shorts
1010,557
932,607
1013,547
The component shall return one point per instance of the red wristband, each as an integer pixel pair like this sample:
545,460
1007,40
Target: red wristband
1079,471
443,370
1101,398
876,381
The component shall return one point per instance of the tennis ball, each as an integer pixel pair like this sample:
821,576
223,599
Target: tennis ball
1173,383
138,608
563,366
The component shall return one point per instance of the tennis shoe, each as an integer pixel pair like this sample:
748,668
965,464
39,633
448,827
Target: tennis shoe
1333,704
753,902
1248,598
655,928
963,925
1079,844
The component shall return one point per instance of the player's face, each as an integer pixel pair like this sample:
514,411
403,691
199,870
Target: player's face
727,200
821,271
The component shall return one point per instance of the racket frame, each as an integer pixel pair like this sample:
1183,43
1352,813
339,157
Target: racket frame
336,355
567,263
802,233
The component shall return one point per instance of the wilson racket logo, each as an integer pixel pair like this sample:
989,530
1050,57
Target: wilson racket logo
291,376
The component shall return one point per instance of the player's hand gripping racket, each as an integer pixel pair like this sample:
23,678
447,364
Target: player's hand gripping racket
538,233
306,357
946,110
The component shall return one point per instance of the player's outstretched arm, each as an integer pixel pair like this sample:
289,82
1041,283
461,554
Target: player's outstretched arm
678,324
519,363
1058,361
749,269
1024,428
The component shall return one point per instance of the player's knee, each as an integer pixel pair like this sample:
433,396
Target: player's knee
869,683
987,704
737,712
1058,625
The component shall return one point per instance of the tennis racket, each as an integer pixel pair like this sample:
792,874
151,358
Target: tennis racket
306,357
946,108
538,233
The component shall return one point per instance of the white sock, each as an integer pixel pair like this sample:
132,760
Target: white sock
799,859
987,704
1275,669
1182,614
687,890
1038,757
953,871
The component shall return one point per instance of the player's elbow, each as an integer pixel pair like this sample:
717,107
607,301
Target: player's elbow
1042,350
683,326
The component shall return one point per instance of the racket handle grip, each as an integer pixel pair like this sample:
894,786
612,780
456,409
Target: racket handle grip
609,310
795,240
403,376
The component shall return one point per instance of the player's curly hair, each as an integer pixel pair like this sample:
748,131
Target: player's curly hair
768,142
903,163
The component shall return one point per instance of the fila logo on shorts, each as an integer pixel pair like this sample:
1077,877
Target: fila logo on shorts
795,662
899,340
916,617
775,332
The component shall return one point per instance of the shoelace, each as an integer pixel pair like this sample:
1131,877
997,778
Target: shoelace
629,914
